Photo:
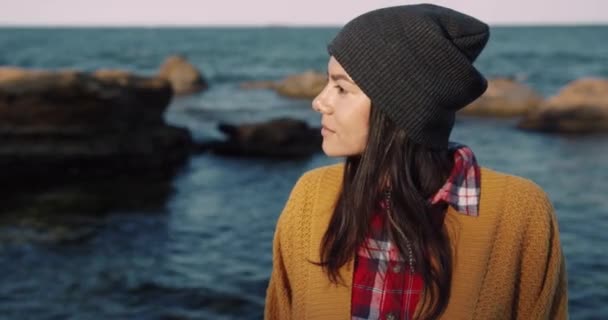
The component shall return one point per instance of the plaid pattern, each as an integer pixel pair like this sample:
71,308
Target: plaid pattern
462,188
383,286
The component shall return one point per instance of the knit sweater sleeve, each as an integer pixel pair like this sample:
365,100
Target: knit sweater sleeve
288,250
278,293
542,286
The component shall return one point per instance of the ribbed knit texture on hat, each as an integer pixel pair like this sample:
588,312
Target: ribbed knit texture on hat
415,63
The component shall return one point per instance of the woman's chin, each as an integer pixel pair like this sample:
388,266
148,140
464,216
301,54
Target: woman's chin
329,150
335,151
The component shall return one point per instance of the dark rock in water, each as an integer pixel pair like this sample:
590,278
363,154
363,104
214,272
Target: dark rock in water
75,146
276,138
68,101
183,76
64,123
580,107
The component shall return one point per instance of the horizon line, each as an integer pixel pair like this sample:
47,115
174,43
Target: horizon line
273,25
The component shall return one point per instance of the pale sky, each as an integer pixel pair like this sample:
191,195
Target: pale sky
280,12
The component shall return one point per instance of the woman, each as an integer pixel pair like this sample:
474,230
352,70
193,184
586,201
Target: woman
410,226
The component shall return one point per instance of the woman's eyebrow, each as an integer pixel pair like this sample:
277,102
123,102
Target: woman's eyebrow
336,77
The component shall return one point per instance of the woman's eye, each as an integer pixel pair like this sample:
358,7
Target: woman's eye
340,90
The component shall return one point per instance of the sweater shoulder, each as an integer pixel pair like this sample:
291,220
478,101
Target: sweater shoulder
520,196
305,192
331,172
515,186
321,177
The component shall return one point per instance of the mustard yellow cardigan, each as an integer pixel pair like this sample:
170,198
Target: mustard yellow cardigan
508,262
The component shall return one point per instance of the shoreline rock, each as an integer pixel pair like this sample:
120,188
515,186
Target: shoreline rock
278,138
184,77
60,123
579,107
306,85
504,98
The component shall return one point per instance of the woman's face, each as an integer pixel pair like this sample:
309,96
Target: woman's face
344,112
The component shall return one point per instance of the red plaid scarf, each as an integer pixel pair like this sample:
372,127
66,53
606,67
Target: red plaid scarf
383,286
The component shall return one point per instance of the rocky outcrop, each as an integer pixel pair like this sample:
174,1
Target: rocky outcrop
302,86
276,138
306,85
504,98
183,76
580,107
62,123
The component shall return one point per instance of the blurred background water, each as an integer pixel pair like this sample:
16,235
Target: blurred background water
203,250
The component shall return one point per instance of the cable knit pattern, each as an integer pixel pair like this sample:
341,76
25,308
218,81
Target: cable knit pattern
508,262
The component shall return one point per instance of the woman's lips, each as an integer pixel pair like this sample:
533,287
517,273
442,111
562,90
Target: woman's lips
326,131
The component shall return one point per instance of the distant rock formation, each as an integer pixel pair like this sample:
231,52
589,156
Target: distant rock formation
579,107
183,76
306,85
504,98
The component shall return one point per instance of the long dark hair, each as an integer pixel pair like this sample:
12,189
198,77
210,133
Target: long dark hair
414,173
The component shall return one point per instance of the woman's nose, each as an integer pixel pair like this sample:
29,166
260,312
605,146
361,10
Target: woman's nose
319,104
316,104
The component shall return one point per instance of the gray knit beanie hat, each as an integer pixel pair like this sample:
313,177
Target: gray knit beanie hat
415,63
